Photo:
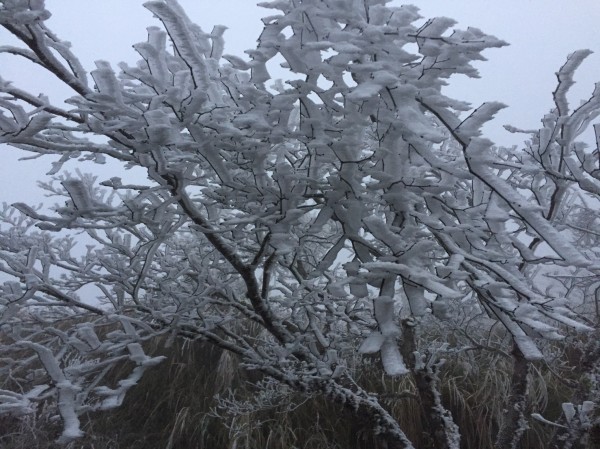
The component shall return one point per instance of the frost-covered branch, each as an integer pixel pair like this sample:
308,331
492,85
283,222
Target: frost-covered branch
295,226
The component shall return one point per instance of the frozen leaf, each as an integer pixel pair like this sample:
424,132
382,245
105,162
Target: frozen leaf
386,316
79,193
441,309
372,343
569,411
392,360
416,299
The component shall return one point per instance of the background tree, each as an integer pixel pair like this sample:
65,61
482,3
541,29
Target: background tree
293,224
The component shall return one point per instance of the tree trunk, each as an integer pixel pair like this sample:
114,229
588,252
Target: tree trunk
444,432
515,423
383,424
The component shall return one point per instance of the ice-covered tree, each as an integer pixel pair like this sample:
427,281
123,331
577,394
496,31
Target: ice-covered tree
296,224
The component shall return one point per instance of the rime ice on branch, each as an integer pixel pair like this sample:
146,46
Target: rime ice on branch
332,210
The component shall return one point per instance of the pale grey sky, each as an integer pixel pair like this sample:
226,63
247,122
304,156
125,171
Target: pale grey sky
541,34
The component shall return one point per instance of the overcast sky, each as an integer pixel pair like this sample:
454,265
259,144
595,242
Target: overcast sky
541,33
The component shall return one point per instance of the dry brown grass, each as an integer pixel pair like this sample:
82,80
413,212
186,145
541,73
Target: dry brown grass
175,406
